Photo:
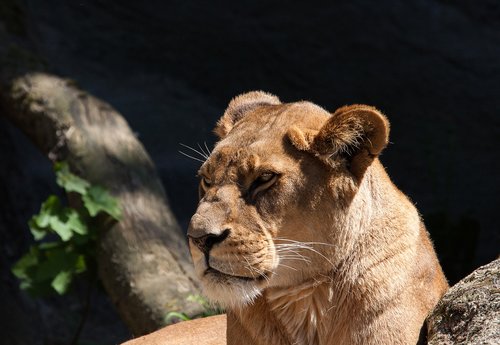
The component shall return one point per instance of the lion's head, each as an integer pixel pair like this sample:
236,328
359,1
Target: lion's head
275,193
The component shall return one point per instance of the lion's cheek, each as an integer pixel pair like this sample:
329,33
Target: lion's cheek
251,260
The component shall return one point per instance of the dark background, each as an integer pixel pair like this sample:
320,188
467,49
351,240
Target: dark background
171,67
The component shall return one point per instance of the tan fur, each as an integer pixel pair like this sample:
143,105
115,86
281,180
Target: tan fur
325,250
206,331
328,251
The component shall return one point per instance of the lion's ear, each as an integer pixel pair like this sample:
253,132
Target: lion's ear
301,138
239,107
357,133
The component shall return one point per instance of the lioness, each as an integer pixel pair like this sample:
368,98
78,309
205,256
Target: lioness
301,235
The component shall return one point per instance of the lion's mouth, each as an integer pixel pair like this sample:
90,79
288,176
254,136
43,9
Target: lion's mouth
217,273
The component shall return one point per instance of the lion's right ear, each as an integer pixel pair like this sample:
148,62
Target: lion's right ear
357,133
239,107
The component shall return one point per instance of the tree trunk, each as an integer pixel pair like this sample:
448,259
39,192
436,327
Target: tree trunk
143,260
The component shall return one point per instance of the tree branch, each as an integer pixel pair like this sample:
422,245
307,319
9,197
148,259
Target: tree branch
143,260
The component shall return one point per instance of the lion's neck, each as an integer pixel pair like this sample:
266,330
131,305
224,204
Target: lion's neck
313,312
300,309
324,306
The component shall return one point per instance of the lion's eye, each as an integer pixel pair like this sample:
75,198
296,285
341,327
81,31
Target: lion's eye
206,182
265,177
263,182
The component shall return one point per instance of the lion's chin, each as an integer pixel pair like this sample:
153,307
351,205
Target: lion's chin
230,291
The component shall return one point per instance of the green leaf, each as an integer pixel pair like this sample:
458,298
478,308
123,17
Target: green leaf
98,199
37,232
26,285
39,223
61,227
41,219
80,264
69,181
176,315
76,222
63,221
62,281
49,245
54,261
54,217
53,270
25,263
50,267
199,299
51,206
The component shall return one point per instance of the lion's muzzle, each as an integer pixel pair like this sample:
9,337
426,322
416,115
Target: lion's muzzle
205,242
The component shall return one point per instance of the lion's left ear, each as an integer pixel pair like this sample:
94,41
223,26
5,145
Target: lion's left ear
239,107
357,133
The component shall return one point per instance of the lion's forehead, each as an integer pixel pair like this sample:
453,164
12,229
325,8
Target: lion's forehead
259,142
229,163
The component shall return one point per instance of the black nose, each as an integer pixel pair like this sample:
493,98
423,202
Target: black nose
206,242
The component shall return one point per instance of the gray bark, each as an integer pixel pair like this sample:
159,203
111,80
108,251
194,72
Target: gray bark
143,260
469,313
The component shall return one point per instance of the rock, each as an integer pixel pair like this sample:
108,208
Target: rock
469,313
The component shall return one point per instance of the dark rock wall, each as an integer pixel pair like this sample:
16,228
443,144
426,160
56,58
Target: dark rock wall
21,191
432,66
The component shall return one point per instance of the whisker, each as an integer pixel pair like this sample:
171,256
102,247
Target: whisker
189,156
261,273
248,266
253,269
302,245
293,254
208,150
290,248
294,258
204,155
296,255
286,266
324,257
299,242
202,150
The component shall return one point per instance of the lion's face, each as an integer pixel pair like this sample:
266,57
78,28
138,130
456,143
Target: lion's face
265,216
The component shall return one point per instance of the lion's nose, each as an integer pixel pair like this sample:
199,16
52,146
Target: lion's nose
206,242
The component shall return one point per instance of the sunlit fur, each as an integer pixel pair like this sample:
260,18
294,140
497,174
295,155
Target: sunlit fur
316,245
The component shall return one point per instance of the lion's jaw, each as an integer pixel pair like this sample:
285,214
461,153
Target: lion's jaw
233,273
235,279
